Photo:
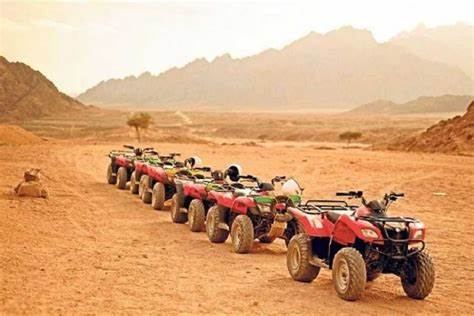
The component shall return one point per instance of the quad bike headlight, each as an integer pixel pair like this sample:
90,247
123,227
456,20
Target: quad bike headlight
418,234
396,225
369,233
417,245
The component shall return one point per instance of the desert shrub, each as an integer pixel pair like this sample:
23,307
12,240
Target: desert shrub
349,136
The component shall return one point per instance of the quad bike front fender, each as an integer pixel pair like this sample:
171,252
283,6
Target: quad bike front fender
346,230
122,162
194,190
225,199
242,204
157,174
140,167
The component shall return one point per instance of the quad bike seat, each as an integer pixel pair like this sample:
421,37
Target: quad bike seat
333,216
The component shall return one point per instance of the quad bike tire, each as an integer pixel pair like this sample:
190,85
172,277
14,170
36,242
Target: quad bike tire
142,186
216,215
158,196
196,216
298,258
176,215
349,274
111,177
122,178
133,183
144,194
422,284
299,229
242,234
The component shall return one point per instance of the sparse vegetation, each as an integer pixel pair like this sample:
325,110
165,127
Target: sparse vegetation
349,136
140,121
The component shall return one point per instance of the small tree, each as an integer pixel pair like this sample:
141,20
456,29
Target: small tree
350,136
140,121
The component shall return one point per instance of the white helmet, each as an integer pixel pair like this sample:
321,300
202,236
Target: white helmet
291,187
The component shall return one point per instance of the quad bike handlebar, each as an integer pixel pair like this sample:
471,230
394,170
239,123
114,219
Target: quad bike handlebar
378,207
205,169
278,179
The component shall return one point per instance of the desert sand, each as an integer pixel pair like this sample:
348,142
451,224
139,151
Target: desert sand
91,248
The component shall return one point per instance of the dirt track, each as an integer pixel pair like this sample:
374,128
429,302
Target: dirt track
93,249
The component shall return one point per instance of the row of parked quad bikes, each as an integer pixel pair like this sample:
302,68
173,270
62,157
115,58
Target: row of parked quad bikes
358,242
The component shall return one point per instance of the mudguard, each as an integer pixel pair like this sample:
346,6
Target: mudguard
225,199
157,174
242,204
122,162
140,167
195,190
346,230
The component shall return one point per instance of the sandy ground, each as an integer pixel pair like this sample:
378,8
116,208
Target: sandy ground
93,249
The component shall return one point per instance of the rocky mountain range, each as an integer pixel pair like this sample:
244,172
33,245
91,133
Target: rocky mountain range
455,135
340,69
441,104
26,93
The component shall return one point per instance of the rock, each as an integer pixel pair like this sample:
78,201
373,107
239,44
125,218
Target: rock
32,189
32,185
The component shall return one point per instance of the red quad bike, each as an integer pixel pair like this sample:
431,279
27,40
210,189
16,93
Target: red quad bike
121,165
247,213
358,244
158,183
192,201
140,167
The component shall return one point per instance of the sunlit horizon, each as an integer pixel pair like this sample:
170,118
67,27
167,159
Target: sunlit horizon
77,45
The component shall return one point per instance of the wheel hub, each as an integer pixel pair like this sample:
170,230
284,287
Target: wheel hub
295,258
343,275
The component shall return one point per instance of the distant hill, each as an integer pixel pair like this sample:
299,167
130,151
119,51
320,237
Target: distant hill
340,69
422,105
452,45
15,135
455,135
25,93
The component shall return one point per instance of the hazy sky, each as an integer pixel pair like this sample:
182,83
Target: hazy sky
78,44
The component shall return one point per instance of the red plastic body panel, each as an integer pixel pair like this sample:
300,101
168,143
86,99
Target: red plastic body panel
141,167
363,211
347,229
241,204
195,190
122,161
344,231
315,225
158,174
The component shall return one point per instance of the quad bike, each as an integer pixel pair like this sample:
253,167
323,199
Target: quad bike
157,180
141,165
121,164
250,212
192,201
358,244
